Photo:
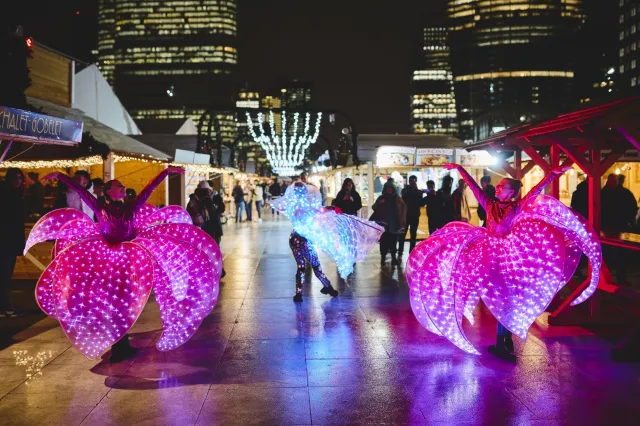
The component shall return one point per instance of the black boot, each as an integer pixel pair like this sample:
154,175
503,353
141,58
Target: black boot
501,350
329,290
297,298
122,350
508,344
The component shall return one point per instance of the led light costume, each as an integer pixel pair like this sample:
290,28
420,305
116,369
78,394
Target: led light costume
347,239
528,252
102,273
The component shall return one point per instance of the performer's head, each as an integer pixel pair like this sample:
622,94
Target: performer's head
348,185
508,189
114,190
485,181
83,178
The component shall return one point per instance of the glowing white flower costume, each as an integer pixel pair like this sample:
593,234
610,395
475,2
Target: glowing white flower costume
347,239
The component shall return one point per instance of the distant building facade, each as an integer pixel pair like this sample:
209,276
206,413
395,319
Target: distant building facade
433,102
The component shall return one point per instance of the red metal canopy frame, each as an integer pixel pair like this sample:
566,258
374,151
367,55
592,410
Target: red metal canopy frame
582,137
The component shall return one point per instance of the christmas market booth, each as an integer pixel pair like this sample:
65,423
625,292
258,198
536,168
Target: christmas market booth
98,149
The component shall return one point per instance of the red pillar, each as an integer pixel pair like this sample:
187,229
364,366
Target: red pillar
554,161
594,189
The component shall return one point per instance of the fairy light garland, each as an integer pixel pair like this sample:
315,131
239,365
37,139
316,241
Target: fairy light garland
285,152
54,164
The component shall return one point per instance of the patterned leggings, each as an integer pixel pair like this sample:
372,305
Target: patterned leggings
302,253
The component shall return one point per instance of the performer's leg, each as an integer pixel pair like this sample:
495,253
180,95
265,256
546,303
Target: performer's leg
122,350
312,258
413,224
296,243
504,344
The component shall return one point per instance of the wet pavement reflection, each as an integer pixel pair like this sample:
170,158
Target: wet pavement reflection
360,358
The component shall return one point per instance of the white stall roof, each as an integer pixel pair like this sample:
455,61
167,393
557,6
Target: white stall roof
96,99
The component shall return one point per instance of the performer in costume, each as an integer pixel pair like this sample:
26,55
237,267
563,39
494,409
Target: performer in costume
528,252
345,238
101,275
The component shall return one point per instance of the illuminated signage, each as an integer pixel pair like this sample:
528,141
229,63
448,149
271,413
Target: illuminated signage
25,126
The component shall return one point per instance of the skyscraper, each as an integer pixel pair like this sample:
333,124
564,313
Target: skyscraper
511,60
629,46
433,103
168,59
296,95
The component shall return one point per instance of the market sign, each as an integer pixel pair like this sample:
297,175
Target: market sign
474,158
434,156
25,126
388,156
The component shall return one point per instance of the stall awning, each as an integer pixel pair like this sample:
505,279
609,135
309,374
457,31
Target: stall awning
116,141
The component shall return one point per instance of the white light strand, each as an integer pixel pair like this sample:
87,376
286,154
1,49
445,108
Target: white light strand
284,152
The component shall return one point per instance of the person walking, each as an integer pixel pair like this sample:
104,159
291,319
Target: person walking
433,208
414,199
259,198
390,212
207,208
12,238
323,192
238,197
249,196
275,191
490,191
348,200
461,203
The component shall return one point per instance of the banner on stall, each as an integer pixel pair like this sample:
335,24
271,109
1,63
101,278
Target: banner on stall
434,156
474,158
388,156
26,126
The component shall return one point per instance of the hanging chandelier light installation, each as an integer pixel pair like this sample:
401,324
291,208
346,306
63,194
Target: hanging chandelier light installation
285,151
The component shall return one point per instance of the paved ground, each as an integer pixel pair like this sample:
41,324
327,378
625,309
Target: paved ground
358,359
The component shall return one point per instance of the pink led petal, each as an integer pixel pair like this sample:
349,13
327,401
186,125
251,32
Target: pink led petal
44,290
181,317
72,232
575,229
99,292
143,214
169,214
193,236
50,225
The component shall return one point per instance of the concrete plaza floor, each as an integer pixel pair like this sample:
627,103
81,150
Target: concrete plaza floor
360,358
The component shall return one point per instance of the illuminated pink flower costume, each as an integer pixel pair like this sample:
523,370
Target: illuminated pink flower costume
528,252
102,274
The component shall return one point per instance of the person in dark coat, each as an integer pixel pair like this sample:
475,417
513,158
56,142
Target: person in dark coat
445,202
490,190
580,199
12,238
275,191
34,200
433,210
415,200
391,212
214,207
348,200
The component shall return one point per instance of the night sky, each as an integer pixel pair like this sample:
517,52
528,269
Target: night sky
357,55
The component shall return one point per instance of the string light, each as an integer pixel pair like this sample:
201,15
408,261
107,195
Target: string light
516,268
97,289
285,153
54,164
347,239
